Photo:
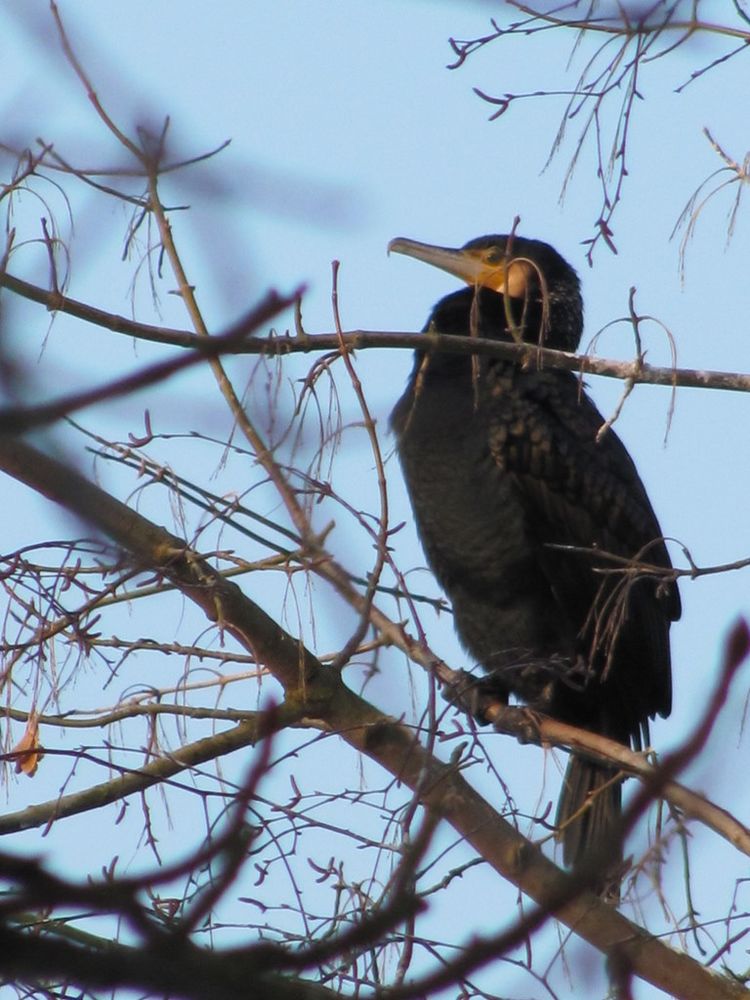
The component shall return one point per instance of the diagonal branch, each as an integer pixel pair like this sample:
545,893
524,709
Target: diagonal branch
329,705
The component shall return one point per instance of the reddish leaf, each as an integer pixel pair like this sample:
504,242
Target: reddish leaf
28,748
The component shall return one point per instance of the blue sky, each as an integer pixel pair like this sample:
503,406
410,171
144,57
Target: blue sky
346,130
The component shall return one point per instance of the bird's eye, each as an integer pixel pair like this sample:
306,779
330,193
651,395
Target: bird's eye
494,255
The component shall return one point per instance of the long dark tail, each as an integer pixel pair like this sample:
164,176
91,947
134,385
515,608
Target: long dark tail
591,795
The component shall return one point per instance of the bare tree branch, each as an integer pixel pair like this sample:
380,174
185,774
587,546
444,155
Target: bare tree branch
323,697
636,372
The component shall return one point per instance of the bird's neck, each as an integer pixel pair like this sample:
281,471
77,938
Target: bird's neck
553,321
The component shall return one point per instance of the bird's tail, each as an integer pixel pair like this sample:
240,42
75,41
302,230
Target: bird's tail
588,816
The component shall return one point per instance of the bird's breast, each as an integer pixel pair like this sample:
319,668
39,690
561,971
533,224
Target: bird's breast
468,511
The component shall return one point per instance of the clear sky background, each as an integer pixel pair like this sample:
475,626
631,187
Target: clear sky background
347,130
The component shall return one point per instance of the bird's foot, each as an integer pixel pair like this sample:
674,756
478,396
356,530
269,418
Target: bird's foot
480,697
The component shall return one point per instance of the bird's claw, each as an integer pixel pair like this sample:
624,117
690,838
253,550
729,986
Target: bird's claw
478,697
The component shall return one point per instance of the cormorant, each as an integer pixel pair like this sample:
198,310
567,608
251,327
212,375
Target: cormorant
507,478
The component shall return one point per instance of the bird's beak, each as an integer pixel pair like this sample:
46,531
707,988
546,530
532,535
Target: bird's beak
470,265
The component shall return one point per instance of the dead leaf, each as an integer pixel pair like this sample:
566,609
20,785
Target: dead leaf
29,748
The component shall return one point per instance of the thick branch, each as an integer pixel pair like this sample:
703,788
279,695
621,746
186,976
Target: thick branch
393,746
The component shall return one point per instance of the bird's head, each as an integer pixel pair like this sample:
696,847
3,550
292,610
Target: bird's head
541,288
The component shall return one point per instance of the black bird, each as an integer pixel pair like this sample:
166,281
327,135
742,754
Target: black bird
507,479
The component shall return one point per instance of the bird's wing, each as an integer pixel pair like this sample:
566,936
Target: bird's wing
585,494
